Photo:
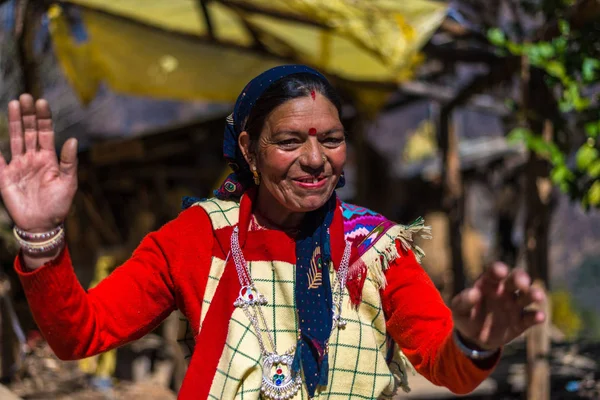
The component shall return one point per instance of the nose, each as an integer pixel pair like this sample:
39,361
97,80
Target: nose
312,154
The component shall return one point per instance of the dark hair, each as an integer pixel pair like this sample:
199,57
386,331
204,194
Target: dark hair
288,88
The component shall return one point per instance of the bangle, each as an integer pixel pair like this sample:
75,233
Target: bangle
472,354
36,236
35,248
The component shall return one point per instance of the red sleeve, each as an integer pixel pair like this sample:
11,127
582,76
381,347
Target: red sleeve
421,324
134,299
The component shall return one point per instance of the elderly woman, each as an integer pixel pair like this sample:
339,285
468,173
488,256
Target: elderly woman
291,292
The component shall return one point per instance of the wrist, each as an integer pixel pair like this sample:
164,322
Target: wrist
31,262
38,234
40,245
471,349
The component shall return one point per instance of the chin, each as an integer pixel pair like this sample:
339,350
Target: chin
310,203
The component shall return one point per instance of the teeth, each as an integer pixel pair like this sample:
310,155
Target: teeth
315,180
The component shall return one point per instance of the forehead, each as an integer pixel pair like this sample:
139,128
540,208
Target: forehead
304,113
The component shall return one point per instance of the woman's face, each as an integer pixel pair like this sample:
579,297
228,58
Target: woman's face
300,153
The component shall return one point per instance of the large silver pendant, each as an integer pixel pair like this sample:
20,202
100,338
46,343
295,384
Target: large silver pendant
278,382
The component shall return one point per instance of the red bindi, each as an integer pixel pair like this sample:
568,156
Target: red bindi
313,94
312,132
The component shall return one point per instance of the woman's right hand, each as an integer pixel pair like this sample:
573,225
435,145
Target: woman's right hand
36,188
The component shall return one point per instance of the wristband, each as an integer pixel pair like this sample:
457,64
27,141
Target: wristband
36,248
472,354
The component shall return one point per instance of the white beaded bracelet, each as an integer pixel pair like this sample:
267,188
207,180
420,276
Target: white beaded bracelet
29,247
472,354
37,236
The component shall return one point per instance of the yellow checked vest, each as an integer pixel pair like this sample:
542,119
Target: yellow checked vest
364,363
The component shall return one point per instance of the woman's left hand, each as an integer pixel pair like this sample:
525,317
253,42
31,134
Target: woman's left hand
500,306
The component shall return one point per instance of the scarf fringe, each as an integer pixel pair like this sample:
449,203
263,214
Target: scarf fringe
378,261
405,368
357,274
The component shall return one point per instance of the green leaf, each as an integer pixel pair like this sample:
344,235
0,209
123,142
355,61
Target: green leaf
594,169
592,129
514,48
563,26
496,37
556,69
581,103
560,44
519,135
546,50
585,156
560,175
594,194
565,106
588,69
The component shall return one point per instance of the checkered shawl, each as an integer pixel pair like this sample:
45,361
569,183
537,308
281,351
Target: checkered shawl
363,361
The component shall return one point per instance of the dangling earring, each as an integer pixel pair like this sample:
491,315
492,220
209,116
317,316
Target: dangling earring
255,176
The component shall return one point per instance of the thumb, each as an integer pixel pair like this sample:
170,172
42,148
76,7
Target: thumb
68,157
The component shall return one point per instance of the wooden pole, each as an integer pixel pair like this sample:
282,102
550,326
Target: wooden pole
453,196
538,192
537,225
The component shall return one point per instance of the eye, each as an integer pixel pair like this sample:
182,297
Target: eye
288,143
333,141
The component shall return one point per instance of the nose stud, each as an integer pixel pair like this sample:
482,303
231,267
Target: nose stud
324,158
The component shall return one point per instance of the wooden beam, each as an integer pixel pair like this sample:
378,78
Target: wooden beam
272,13
445,94
203,6
453,54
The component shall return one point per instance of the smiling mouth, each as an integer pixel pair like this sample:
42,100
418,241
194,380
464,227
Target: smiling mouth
311,182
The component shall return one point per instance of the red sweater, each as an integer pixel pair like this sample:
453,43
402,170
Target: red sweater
169,270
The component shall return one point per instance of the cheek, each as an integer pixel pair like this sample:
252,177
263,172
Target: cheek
276,163
337,158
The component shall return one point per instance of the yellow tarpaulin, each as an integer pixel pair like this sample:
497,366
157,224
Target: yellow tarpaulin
163,49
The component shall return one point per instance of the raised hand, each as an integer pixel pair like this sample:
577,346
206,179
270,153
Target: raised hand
36,188
499,307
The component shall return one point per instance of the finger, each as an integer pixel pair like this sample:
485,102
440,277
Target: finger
29,121
531,318
2,166
534,296
492,279
464,302
44,124
15,127
68,157
517,284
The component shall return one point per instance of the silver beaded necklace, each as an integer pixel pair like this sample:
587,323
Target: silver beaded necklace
278,382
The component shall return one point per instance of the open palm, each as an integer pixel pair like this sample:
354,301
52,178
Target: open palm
36,188
500,306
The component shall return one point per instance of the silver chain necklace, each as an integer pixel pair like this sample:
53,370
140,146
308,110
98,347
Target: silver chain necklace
278,382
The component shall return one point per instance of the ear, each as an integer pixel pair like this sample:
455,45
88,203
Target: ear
244,143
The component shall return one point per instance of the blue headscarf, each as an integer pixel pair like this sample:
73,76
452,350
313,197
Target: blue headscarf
313,253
